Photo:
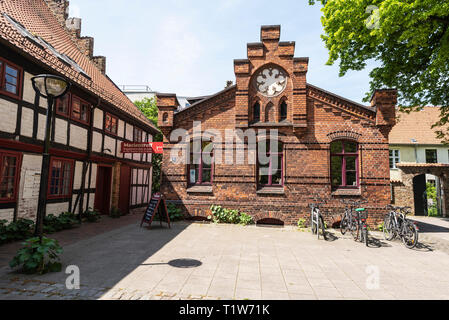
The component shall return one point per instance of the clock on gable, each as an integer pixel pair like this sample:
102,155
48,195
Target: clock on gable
270,81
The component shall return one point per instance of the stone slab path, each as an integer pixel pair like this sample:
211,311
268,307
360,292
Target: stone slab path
208,261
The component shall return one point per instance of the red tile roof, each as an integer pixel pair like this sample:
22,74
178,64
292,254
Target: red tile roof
417,125
38,19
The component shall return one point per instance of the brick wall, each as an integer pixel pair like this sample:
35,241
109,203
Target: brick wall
316,118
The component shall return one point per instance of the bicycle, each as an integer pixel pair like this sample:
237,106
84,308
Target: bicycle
316,220
397,224
354,219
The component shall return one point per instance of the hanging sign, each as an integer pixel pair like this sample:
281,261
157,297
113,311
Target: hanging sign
142,147
157,206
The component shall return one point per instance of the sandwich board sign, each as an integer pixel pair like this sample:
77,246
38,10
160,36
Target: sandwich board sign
157,206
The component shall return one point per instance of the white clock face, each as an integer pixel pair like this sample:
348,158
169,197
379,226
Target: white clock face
271,81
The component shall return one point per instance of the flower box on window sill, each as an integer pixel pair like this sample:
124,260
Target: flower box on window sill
271,190
199,189
347,192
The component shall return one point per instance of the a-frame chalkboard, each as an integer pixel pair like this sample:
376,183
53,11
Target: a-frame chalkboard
158,206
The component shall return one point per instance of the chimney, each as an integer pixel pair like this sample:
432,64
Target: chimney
385,102
100,62
60,9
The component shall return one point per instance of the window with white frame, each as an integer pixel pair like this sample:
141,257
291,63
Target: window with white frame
394,158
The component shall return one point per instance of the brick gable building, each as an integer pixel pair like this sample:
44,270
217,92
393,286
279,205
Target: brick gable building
330,147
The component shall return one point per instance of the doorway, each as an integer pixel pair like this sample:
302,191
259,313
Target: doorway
103,189
125,183
420,195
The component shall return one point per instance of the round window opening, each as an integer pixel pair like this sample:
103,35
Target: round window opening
270,81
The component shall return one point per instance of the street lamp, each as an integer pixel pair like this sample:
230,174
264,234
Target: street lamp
50,87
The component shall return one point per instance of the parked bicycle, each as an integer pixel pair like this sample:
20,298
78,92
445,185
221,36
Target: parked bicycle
316,220
397,224
354,219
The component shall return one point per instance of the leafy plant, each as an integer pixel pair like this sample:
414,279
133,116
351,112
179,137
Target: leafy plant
38,257
380,227
245,219
223,215
431,190
174,212
20,229
301,223
91,215
65,220
115,213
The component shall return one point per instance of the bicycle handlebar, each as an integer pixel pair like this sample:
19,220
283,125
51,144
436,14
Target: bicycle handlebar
400,208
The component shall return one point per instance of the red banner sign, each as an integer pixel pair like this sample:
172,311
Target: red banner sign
142,147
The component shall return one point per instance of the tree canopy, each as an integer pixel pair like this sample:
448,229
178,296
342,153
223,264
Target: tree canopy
409,39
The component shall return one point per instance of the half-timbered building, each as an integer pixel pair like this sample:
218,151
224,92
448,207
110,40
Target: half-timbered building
90,122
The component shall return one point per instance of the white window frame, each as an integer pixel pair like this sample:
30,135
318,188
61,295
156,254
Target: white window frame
395,154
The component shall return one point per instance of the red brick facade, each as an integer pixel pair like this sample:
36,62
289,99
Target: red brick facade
314,119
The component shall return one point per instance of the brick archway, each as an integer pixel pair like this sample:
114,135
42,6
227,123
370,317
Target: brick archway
404,193
268,215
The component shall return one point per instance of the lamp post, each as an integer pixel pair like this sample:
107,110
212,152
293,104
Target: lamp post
50,87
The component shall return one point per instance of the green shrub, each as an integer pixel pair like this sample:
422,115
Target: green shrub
91,215
175,212
36,257
431,191
380,227
245,219
223,215
301,223
19,230
65,220
115,213
3,234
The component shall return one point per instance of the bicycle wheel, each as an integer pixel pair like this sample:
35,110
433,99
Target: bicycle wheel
344,224
365,235
389,233
355,230
322,227
410,235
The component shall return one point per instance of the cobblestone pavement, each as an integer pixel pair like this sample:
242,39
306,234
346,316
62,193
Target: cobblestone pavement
207,261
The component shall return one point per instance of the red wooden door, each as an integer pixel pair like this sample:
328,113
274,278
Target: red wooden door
125,183
103,189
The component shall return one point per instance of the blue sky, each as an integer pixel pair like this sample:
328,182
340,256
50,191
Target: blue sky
188,47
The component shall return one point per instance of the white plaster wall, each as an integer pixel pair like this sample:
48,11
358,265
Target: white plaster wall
96,142
28,92
26,128
8,111
60,130
43,102
57,208
78,137
121,128
30,175
7,214
98,118
93,177
129,132
41,127
77,175
109,143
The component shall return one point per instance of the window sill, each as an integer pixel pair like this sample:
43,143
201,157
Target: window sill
283,123
271,190
347,192
199,189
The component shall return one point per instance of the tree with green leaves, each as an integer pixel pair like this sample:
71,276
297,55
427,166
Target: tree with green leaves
148,106
408,39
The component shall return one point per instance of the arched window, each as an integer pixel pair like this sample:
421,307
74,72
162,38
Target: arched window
270,163
165,117
256,112
344,164
269,113
283,111
200,162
